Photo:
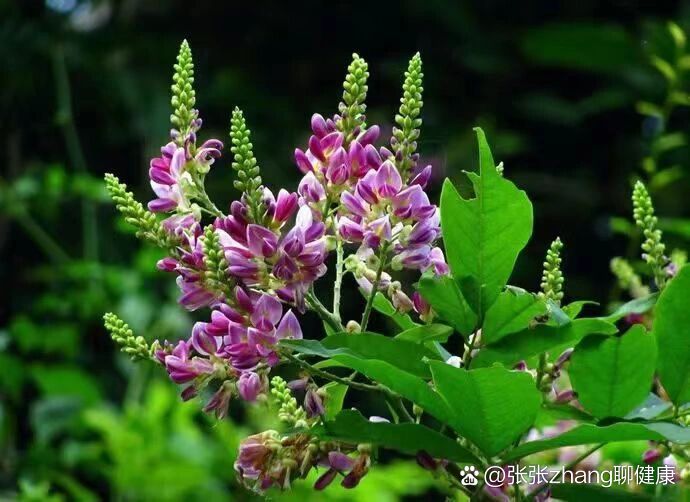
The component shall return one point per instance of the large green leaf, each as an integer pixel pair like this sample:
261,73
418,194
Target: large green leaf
406,384
612,375
445,297
672,330
591,434
492,407
350,425
426,333
404,354
510,313
542,338
484,235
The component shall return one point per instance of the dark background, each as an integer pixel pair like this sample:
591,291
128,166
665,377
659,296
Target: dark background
554,85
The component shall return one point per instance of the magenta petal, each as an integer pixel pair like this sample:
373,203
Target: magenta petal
340,461
289,327
354,204
331,142
267,309
372,157
162,205
388,179
303,161
370,135
315,148
249,386
261,241
318,125
202,342
422,178
161,176
285,205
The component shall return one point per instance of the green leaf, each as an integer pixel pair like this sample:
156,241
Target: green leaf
573,309
492,407
672,331
636,306
483,236
335,393
66,381
612,375
426,333
384,306
650,408
444,296
406,384
590,434
408,438
542,338
403,354
510,313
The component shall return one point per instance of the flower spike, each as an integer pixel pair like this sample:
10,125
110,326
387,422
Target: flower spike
147,225
215,262
552,277
134,346
653,248
404,140
627,278
183,95
244,162
352,107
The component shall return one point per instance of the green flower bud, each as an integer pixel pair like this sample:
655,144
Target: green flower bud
245,164
134,346
552,277
406,134
352,106
653,248
147,224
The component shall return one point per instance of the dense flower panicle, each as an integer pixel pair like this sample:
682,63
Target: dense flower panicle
287,263
332,163
381,208
237,347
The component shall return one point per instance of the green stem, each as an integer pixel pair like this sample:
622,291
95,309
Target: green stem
315,304
470,348
374,286
339,264
335,378
65,119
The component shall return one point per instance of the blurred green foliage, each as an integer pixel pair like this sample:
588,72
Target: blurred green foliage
580,99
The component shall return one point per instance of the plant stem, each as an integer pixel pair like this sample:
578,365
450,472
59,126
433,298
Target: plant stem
335,378
470,348
315,304
65,119
374,286
568,467
339,263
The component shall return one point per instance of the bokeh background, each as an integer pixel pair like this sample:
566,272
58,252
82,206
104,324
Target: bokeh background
84,90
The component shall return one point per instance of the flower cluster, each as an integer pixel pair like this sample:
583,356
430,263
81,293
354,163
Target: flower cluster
253,266
269,459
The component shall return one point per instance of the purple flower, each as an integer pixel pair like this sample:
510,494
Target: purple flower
167,172
249,386
381,208
264,258
313,404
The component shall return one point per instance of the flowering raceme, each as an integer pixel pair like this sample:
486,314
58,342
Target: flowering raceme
253,266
